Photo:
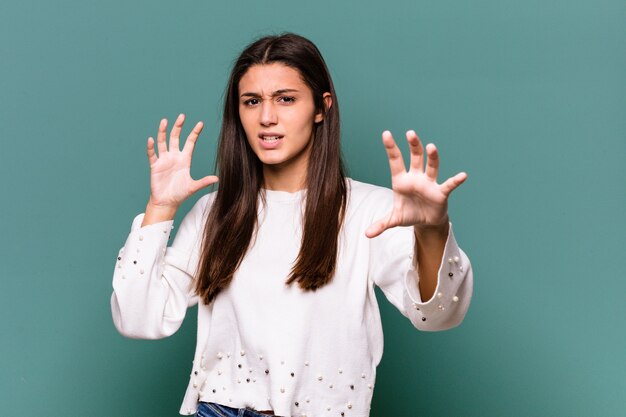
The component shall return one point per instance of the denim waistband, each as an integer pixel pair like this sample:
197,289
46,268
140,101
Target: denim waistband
218,410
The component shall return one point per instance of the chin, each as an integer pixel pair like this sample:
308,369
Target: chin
270,160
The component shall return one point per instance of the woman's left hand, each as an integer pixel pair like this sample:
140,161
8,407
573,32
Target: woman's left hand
417,198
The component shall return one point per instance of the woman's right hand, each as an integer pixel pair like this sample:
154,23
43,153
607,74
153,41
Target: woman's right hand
170,177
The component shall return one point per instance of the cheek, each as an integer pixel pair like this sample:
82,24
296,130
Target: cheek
303,121
246,122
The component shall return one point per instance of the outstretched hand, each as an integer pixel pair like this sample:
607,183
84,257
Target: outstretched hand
417,198
170,177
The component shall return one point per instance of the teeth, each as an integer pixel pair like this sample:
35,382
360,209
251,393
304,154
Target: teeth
270,138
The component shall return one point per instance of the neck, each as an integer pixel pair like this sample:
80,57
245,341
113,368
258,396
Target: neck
284,179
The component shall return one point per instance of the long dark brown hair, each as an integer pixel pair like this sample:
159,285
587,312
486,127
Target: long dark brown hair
232,220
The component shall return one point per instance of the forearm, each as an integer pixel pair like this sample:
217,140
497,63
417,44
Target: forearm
149,294
430,243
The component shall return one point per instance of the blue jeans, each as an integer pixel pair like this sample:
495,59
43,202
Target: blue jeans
218,410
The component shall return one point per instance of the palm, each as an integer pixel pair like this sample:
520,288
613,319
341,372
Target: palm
170,177
417,198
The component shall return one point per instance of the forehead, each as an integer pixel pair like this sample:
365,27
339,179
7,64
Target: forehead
267,78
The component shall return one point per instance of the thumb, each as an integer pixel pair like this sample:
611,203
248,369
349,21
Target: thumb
377,227
204,182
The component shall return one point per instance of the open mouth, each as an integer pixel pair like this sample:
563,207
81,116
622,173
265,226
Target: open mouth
271,139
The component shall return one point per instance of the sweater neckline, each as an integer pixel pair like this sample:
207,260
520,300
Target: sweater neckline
275,195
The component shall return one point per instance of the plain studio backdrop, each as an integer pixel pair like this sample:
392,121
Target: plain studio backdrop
529,98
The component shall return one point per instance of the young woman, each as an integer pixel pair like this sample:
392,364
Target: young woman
283,259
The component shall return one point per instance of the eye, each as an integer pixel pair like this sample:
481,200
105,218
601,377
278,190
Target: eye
251,102
287,99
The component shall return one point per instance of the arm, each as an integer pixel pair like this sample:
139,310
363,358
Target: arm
152,284
430,243
421,204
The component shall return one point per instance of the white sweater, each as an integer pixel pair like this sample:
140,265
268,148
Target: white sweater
264,345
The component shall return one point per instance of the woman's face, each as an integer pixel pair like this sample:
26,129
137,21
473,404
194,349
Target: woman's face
277,113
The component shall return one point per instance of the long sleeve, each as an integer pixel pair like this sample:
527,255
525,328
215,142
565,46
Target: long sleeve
153,283
394,269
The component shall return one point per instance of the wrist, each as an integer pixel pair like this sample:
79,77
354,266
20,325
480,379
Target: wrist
440,230
156,213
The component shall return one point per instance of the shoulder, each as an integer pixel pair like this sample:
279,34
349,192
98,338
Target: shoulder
368,197
201,208
358,190
207,199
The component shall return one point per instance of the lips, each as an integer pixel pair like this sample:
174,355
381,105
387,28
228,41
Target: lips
270,140
270,136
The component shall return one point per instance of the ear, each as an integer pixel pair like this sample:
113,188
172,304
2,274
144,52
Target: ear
328,102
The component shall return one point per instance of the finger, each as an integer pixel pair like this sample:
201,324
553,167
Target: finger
417,151
432,165
204,182
396,164
152,158
161,145
192,138
378,227
175,135
451,183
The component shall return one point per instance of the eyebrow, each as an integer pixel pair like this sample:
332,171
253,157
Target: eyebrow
275,93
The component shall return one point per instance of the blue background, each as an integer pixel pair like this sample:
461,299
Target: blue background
529,98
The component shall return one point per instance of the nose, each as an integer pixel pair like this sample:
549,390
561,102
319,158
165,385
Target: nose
268,113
